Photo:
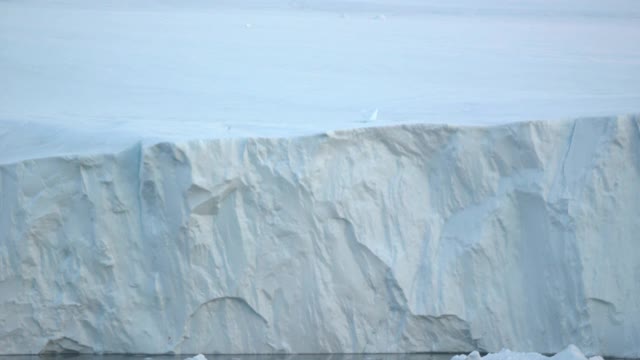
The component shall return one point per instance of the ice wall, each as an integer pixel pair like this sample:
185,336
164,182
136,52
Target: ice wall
405,238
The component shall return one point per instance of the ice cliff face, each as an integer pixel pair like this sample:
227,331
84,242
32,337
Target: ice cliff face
406,238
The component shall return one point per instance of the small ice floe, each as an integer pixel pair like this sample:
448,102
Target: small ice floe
473,356
570,353
197,357
374,115
366,115
248,25
380,17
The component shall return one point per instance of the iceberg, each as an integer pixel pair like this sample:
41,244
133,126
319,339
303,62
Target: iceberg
344,176
197,357
407,238
572,352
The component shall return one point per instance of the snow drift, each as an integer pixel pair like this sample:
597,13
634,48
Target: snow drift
392,239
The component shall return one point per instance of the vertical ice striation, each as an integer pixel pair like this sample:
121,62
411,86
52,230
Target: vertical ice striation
393,239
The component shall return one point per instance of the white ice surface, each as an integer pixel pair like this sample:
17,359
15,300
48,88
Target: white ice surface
572,352
79,76
197,357
406,238
398,239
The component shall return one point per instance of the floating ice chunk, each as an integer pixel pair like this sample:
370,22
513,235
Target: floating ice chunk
570,353
197,357
474,356
374,115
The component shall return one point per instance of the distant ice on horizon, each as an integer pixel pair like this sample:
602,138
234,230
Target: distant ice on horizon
80,76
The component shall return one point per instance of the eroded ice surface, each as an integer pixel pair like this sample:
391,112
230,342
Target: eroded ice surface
405,238
147,207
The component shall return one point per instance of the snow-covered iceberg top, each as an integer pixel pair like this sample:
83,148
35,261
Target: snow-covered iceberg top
91,77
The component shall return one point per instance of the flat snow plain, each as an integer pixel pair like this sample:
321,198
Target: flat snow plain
82,77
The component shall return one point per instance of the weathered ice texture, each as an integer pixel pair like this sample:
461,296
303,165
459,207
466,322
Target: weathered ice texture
395,239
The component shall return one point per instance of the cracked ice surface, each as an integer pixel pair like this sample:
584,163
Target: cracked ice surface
393,239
